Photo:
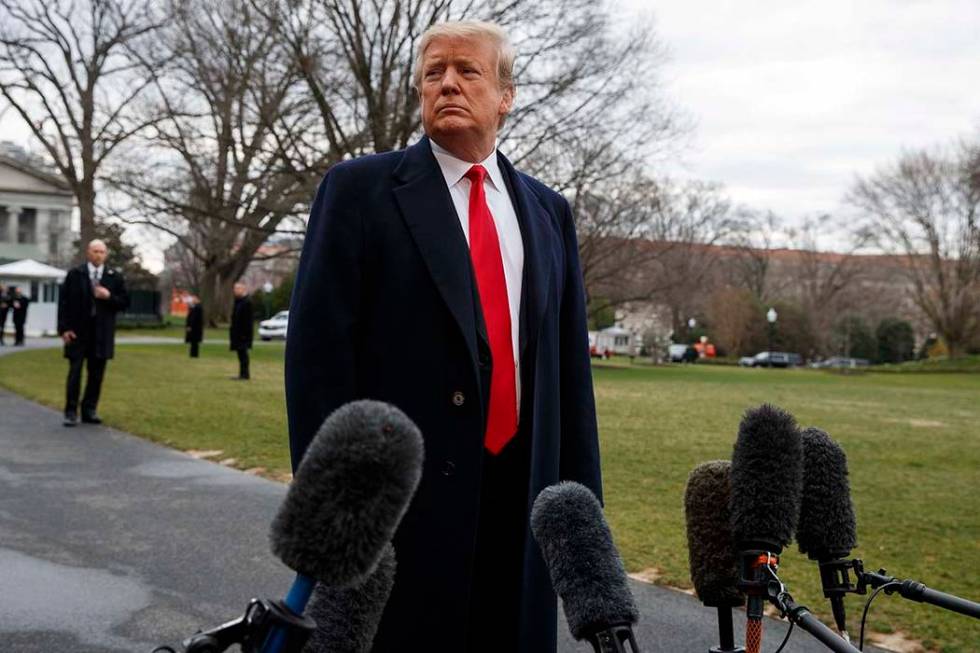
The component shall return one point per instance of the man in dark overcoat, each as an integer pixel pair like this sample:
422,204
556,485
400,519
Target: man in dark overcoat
442,280
4,307
194,326
18,305
240,331
91,296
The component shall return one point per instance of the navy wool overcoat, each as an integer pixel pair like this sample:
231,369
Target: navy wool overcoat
384,307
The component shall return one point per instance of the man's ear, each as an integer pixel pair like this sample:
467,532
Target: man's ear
507,101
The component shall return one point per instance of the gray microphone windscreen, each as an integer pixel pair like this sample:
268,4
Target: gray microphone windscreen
586,570
767,479
827,528
349,493
347,618
710,545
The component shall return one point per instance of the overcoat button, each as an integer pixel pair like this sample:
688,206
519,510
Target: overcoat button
458,398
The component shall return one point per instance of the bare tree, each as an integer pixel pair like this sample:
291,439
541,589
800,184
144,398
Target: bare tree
225,168
753,242
924,208
689,222
576,74
64,70
820,279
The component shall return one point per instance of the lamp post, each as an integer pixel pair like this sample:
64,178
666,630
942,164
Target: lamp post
690,326
266,289
771,317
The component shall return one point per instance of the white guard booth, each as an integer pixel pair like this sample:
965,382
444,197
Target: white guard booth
41,283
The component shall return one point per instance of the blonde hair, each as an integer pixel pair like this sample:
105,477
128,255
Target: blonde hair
471,29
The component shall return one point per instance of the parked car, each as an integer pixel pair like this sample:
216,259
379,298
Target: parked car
275,326
842,361
771,359
681,354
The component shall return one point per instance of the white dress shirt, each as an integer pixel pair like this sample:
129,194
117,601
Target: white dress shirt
96,271
504,218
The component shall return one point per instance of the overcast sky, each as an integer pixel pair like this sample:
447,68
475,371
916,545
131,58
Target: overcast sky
792,99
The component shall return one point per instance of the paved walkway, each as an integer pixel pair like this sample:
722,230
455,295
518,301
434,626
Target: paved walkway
109,543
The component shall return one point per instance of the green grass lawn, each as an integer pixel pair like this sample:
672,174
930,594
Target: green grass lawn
913,444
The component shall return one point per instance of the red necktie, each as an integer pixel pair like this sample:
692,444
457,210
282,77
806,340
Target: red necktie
492,286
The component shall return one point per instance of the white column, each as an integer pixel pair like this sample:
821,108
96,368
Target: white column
13,215
41,222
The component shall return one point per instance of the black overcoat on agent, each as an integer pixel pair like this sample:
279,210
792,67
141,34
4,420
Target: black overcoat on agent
240,332
194,326
385,307
75,311
19,307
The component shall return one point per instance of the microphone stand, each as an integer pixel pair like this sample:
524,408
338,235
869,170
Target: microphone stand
726,633
836,583
262,619
614,640
759,581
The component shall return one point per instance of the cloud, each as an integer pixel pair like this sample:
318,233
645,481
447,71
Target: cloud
792,100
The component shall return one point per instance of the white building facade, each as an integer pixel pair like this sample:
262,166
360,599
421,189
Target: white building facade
35,214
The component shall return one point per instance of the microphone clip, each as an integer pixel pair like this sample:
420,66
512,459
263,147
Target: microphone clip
614,639
251,631
836,579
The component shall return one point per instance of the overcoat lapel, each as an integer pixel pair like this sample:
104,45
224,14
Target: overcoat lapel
428,211
537,233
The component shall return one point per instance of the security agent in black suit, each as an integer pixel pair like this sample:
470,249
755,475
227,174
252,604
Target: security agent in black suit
91,295
240,333
19,303
4,307
194,326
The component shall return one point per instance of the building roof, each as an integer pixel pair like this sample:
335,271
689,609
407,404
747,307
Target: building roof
58,183
30,269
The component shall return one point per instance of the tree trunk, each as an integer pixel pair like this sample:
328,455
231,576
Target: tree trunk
86,209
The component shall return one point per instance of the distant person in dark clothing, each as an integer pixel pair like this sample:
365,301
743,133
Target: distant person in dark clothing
90,297
240,333
194,329
4,307
18,303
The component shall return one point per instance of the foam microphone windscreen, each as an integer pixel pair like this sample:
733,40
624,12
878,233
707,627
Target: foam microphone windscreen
347,618
827,528
710,546
586,570
349,493
767,479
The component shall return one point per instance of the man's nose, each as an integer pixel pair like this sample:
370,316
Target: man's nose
450,82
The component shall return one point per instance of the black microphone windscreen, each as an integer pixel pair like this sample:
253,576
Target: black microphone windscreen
827,528
349,493
586,570
767,479
347,618
710,545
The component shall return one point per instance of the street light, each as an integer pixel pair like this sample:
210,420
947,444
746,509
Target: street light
771,317
266,289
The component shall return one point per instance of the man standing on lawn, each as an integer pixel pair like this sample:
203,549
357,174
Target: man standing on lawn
90,297
442,280
19,305
194,326
240,332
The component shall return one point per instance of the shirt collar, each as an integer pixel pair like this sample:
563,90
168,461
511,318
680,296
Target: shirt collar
92,268
454,169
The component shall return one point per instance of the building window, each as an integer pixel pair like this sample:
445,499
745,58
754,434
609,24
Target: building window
26,226
4,222
34,290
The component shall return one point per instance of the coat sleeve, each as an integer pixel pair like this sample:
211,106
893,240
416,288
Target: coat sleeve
119,299
67,287
323,313
580,440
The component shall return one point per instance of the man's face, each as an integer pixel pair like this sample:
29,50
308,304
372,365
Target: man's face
239,290
96,253
460,92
